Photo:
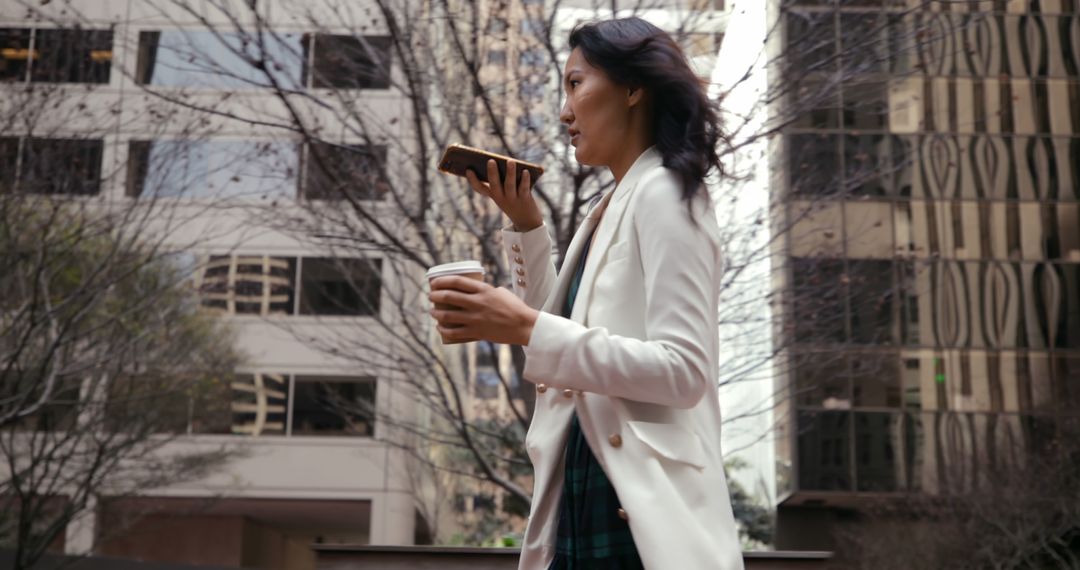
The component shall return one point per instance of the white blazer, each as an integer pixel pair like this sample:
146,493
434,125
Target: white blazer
639,361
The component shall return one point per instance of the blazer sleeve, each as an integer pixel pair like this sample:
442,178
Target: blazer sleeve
533,248
671,366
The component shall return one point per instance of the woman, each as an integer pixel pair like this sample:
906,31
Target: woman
623,343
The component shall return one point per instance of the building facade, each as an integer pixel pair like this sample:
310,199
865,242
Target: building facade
133,82
930,219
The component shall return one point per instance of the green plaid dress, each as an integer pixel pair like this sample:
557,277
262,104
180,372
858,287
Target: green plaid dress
591,535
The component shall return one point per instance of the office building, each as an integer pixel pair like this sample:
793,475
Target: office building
929,249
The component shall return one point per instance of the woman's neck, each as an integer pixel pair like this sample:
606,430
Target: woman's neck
622,164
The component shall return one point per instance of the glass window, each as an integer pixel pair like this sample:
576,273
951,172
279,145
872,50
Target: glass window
340,286
877,441
866,105
353,170
1066,333
256,285
497,57
872,298
58,55
14,54
909,276
903,162
862,43
348,62
192,58
811,42
212,169
37,172
531,90
333,406
901,44
9,162
814,164
259,405
866,165
875,380
532,57
72,56
1067,381
824,451
819,290
822,380
815,104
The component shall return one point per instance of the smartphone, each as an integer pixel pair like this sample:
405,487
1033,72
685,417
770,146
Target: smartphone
458,157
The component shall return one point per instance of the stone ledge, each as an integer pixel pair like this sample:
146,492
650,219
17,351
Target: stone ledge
355,557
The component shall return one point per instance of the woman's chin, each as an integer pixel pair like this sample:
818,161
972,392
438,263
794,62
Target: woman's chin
580,155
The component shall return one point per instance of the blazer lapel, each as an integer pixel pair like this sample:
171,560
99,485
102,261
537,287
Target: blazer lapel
616,203
573,253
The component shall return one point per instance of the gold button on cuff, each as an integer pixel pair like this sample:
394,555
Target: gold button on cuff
515,247
579,392
615,440
521,282
541,388
622,514
568,392
521,271
518,260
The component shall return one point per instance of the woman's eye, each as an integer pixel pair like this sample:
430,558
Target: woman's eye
573,81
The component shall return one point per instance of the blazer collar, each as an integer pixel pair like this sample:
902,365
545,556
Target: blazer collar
609,209
648,159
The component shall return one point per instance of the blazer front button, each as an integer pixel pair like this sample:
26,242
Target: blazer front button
615,439
521,282
622,514
541,388
516,248
518,260
521,271
568,392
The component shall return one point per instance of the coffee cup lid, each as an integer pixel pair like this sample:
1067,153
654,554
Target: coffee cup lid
456,268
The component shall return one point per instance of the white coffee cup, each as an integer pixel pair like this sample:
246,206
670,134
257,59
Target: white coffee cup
469,268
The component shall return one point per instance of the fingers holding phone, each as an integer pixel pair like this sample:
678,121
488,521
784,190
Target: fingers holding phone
496,176
515,200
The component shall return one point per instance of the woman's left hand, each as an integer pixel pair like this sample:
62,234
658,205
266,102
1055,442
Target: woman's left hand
494,314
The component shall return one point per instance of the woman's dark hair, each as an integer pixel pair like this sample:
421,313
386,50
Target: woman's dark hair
686,122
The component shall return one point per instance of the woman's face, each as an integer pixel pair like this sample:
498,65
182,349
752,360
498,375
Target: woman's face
597,109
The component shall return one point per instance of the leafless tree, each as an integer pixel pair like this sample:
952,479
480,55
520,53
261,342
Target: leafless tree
1012,504
104,350
368,186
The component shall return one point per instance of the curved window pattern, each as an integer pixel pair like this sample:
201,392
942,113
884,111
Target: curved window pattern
266,285
258,404
933,269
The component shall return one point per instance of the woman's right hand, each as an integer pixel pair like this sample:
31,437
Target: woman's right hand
516,201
